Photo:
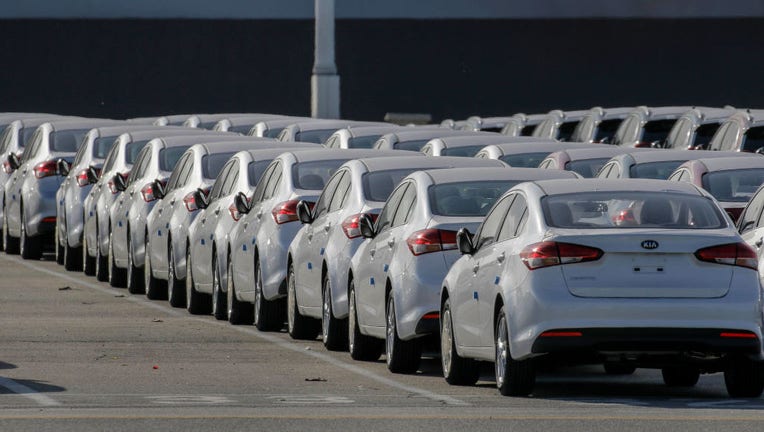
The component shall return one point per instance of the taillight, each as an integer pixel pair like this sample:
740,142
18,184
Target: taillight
287,211
82,178
235,215
7,167
431,240
624,217
190,202
148,192
549,253
113,187
351,226
46,169
736,254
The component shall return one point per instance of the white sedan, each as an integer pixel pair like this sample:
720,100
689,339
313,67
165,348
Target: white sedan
634,273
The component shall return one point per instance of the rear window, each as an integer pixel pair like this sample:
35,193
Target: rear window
524,160
102,145
654,170
213,163
256,170
753,139
467,198
314,175
468,151
733,185
67,141
133,149
606,130
315,136
626,209
273,133
378,185
566,130
528,130
414,145
168,157
365,142
588,168
704,133
24,136
657,130
240,129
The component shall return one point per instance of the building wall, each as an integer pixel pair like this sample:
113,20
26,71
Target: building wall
449,68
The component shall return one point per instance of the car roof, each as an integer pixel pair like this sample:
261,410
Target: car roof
367,130
611,113
557,187
453,175
416,133
82,123
237,145
119,130
283,122
403,162
540,146
471,140
270,153
600,152
710,114
188,140
324,153
731,163
167,131
668,155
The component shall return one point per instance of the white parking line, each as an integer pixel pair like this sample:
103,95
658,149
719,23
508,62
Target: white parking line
22,390
298,348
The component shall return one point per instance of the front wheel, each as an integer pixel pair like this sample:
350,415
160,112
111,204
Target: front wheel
744,378
239,312
176,292
117,276
334,331
30,247
134,273
361,346
10,244
219,306
156,289
196,303
513,377
269,314
457,370
402,356
299,326
88,262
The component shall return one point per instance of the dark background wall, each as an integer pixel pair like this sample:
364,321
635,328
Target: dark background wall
449,68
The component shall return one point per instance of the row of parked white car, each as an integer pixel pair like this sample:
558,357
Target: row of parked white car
367,240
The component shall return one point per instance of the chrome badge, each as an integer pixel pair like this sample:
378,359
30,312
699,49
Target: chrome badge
650,244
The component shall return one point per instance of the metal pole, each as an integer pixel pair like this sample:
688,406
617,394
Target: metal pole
325,82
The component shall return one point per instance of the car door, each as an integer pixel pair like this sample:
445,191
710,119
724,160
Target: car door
201,248
751,223
162,211
467,293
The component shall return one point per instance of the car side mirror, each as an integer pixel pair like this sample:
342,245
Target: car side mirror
93,174
120,183
157,188
63,167
304,212
200,199
464,242
366,226
242,203
14,161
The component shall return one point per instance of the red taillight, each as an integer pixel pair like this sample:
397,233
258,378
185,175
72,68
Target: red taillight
51,219
431,240
643,144
148,192
351,226
287,211
190,202
431,315
561,334
624,217
82,178
549,253
46,169
736,254
738,335
7,167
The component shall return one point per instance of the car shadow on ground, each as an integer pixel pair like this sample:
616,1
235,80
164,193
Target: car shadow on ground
27,386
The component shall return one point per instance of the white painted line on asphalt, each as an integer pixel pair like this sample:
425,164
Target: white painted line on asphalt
22,390
281,342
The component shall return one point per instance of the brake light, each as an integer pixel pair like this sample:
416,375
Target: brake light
549,253
553,333
431,240
738,335
46,169
7,167
735,254
624,217
190,202
287,211
351,226
82,178
148,192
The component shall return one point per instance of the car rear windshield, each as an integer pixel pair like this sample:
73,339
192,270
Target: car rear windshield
315,136
606,130
588,168
654,170
365,142
256,170
467,198
704,133
524,160
627,209
733,185
102,145
414,145
244,129
657,130
168,157
566,130
313,175
213,163
24,136
753,139
467,151
378,185
273,133
133,149
67,141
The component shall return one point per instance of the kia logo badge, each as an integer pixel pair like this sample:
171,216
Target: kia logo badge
650,244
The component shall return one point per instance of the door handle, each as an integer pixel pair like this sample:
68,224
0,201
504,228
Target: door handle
372,252
217,212
391,243
172,202
259,215
327,227
204,220
501,257
759,242
475,268
310,236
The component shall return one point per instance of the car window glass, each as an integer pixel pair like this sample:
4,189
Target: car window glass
80,152
177,173
322,205
260,189
513,220
493,221
34,143
388,211
752,213
407,204
340,197
140,168
231,179
273,182
5,140
109,161
217,187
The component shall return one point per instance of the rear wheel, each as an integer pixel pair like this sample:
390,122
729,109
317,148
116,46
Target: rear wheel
59,248
72,256
361,346
176,292
117,276
88,262
269,314
402,356
513,377
219,306
156,289
134,273
239,312
456,369
102,261
744,378
196,303
680,376
30,247
299,326
10,244
334,331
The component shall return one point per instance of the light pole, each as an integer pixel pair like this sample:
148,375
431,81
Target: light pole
325,82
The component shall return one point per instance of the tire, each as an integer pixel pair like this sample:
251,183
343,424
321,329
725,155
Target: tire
176,291
117,276
29,247
334,332
135,276
680,376
361,346
744,378
299,326
618,368
59,249
457,370
72,256
10,243
102,261
196,303
219,306
156,289
402,356
269,314
88,262
239,312
513,377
